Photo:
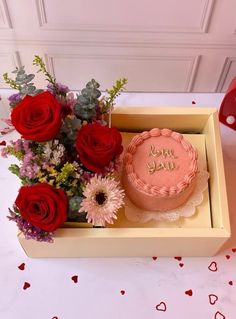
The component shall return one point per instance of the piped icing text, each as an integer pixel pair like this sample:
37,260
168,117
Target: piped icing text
164,153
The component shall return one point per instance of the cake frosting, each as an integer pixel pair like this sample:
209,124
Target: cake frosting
159,170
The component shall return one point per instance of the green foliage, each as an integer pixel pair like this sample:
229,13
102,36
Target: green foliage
12,151
67,171
113,93
14,169
22,83
10,82
37,147
69,130
21,77
38,61
74,203
85,108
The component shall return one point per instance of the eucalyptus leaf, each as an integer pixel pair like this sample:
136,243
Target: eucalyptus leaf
30,77
83,100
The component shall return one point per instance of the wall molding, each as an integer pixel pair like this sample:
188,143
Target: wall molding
190,78
224,73
41,12
14,56
120,44
192,73
4,12
207,15
202,28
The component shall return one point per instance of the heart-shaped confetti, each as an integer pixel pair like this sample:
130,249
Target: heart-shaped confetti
219,315
181,265
3,143
227,256
122,292
234,250
193,102
178,258
231,283
154,258
26,285
75,279
55,317
212,299
6,130
213,266
189,292
161,306
22,266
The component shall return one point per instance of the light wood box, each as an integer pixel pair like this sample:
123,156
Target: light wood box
149,240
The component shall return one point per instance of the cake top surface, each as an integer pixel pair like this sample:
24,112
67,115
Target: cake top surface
160,162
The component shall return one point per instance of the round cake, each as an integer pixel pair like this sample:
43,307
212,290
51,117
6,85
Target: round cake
159,170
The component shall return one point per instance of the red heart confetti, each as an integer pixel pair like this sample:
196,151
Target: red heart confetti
234,250
231,283
227,256
122,292
55,317
26,285
219,315
189,292
161,306
3,143
6,130
22,266
154,258
213,266
193,102
178,258
181,265
75,279
212,299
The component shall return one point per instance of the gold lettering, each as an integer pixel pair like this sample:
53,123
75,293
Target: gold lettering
167,166
151,167
164,152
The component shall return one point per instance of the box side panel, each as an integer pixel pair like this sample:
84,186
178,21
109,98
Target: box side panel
123,247
218,196
138,121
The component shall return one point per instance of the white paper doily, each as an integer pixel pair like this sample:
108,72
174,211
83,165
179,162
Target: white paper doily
136,214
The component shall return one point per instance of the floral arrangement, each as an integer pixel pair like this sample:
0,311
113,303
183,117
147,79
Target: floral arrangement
68,154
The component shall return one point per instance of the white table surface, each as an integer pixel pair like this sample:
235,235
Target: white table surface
120,287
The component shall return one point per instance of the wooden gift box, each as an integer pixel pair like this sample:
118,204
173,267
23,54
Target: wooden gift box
200,235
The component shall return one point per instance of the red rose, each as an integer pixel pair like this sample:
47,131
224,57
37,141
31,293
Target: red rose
43,206
38,117
97,145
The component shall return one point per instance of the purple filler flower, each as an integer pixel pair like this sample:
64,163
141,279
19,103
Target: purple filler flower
14,99
30,231
61,88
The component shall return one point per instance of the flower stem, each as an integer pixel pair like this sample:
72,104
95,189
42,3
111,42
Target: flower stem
38,61
11,82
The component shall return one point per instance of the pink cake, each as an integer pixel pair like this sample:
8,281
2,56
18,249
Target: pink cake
160,169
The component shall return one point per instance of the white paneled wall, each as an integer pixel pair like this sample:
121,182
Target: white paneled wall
159,45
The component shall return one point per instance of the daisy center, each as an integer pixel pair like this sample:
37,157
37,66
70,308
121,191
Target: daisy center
100,198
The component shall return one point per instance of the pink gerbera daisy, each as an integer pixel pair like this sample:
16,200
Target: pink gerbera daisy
103,197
